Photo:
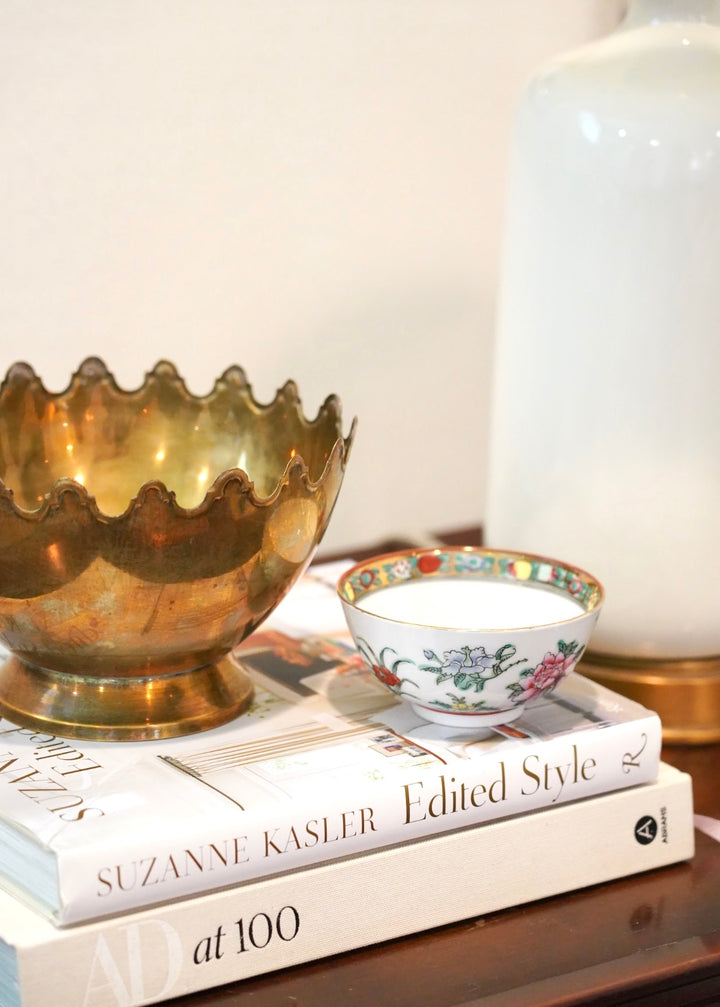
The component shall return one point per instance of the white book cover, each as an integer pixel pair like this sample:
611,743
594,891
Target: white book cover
326,763
202,942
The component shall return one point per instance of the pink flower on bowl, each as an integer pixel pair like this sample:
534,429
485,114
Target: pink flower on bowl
546,675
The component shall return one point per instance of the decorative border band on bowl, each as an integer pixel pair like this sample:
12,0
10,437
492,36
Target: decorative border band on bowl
415,564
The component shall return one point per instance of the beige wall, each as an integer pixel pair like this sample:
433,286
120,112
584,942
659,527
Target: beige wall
310,188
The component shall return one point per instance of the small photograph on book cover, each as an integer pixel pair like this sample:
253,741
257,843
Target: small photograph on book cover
301,667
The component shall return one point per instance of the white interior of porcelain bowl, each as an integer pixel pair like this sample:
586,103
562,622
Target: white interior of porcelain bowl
470,604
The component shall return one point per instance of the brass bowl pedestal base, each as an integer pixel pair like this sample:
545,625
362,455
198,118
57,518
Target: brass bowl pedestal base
123,708
685,693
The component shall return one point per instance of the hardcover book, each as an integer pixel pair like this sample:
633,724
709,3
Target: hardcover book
326,764
207,940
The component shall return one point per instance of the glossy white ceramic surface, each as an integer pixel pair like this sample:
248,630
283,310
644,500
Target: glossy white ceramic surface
606,417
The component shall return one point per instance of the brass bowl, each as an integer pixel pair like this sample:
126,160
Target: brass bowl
136,552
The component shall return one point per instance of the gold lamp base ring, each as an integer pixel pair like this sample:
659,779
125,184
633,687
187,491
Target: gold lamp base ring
685,693
123,708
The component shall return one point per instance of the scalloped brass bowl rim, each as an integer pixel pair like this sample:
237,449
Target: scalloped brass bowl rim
94,369
339,453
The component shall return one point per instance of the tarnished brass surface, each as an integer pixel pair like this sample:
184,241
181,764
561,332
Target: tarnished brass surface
144,534
685,693
124,709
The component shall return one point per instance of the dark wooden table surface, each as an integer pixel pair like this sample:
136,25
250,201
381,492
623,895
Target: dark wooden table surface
652,940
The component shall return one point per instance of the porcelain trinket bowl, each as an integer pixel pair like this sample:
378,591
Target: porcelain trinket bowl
469,636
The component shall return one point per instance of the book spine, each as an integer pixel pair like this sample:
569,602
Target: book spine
200,943
271,838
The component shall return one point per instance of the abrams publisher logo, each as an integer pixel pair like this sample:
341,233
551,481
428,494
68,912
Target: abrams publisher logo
646,829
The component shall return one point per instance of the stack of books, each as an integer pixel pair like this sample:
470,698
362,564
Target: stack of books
326,818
